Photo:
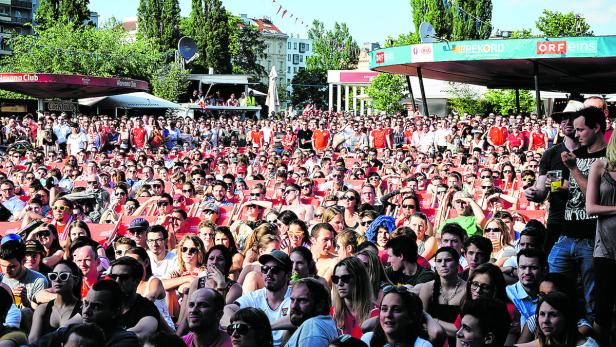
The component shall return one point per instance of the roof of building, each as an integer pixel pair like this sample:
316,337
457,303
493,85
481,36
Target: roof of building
130,24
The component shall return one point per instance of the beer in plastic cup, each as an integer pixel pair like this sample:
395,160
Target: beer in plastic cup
556,179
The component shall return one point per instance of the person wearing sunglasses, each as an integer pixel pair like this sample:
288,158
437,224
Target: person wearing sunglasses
502,244
66,283
8,198
62,214
352,296
250,327
47,235
292,202
275,299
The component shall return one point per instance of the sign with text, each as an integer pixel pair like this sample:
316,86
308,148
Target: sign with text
552,47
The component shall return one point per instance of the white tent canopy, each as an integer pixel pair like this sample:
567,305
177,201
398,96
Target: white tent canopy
130,100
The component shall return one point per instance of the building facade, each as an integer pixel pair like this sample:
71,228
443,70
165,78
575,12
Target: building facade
298,50
14,15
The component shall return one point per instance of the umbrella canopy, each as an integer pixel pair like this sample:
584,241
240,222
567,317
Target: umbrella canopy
130,100
272,101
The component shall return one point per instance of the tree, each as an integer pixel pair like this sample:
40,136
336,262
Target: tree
309,86
521,34
159,21
217,35
194,26
386,92
455,19
332,49
170,82
50,12
463,98
246,47
502,101
558,24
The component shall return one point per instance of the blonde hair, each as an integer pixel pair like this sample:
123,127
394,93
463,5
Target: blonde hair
253,241
329,213
200,255
361,295
610,154
349,237
505,238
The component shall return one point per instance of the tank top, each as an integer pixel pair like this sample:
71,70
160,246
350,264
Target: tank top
605,238
47,328
161,305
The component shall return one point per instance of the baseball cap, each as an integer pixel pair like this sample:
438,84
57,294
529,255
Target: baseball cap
10,237
278,256
211,207
572,107
139,224
34,246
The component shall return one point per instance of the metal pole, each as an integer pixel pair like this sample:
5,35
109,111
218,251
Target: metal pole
408,83
423,93
537,92
517,101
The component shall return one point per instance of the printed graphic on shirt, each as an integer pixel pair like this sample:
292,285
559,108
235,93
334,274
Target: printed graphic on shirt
576,204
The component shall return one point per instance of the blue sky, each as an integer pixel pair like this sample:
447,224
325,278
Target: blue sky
371,21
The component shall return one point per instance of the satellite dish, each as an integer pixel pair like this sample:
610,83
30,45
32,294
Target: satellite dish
187,47
427,34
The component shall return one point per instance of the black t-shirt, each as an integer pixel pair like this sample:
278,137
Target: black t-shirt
141,308
422,275
302,137
580,224
551,160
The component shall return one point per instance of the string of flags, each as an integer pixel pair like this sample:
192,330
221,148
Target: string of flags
282,11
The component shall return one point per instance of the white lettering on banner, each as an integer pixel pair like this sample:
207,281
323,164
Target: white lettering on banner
19,78
584,47
61,106
130,84
479,50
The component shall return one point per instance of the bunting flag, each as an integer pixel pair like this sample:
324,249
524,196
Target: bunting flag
291,16
284,13
279,9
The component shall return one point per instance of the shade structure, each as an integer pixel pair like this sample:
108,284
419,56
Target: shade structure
272,101
47,86
130,100
564,64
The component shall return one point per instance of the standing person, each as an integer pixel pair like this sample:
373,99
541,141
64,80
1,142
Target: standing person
310,302
572,254
601,201
551,161
304,137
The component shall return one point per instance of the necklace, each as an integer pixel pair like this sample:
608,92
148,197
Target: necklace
452,294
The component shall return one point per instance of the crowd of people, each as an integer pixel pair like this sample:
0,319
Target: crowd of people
315,229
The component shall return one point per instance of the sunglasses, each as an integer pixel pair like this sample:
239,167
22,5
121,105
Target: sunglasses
409,206
366,223
306,186
486,187
162,204
92,183
45,233
344,278
492,230
255,195
120,193
238,328
121,277
61,276
317,215
274,270
486,176
190,250
61,208
349,198
156,186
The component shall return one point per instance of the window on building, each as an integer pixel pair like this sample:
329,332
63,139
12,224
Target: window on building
288,80
302,47
4,10
288,57
289,45
294,45
295,59
301,68
301,58
289,69
307,47
294,70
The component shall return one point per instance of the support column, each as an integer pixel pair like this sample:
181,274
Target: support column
331,98
362,102
517,101
346,98
370,108
354,100
338,98
423,93
41,104
537,92
408,83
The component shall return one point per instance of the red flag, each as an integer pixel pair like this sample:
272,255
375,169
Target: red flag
283,13
279,8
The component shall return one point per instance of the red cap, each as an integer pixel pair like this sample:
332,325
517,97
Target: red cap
241,169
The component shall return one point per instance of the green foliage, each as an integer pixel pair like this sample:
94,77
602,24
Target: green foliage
502,101
51,12
309,86
522,34
159,21
170,82
218,55
559,24
194,26
246,48
464,98
332,49
455,19
386,92
402,40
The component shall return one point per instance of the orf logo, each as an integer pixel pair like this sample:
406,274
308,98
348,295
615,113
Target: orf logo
552,47
380,57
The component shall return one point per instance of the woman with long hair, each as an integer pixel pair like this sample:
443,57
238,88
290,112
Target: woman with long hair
442,298
66,281
502,243
601,201
250,327
225,237
297,235
376,271
47,235
151,287
401,320
352,297
557,322
350,201
335,218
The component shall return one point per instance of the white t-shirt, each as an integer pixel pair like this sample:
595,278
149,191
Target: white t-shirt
257,299
165,267
367,337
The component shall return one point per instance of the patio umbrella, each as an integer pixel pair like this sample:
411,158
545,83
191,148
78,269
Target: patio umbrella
272,101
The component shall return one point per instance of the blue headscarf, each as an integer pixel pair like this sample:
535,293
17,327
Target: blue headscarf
388,222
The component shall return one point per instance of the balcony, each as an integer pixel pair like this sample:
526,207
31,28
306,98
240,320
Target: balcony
21,20
22,4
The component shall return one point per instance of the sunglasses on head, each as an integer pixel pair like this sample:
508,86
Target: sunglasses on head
59,276
344,278
190,250
238,328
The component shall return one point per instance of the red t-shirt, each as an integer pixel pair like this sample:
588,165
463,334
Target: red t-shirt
257,137
378,138
320,138
139,137
515,140
498,135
